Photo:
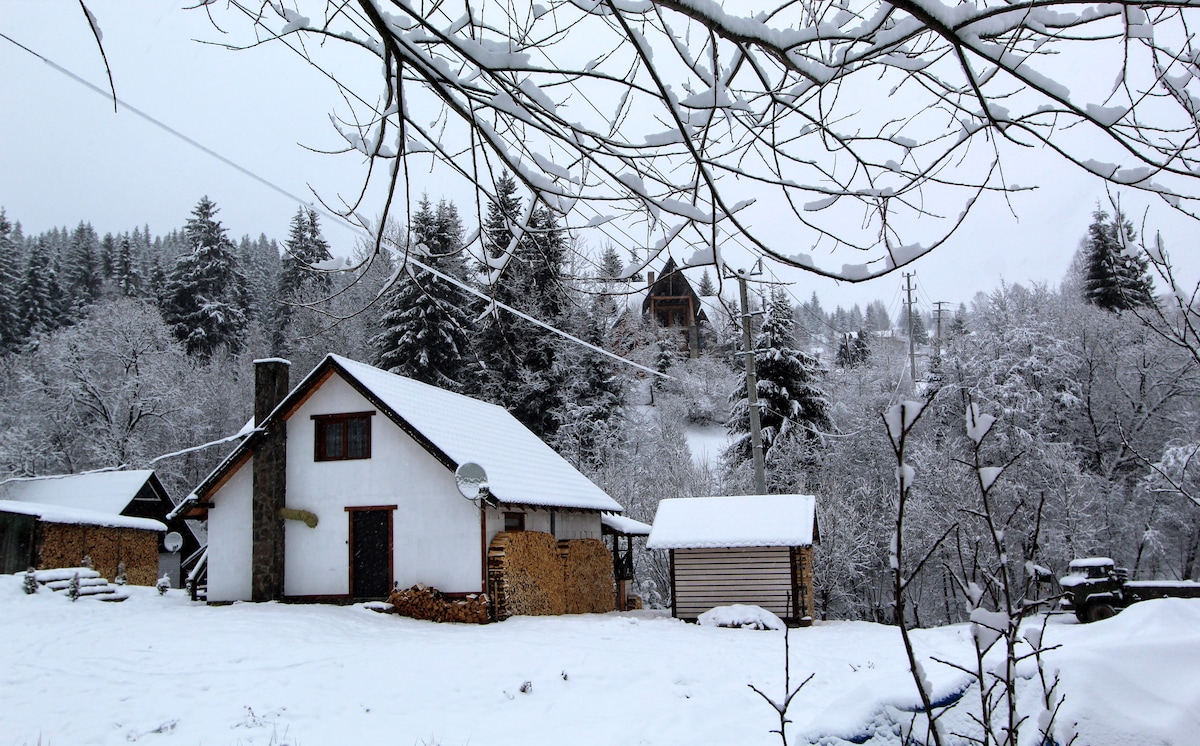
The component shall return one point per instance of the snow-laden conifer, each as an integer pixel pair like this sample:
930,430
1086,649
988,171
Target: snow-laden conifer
791,403
424,325
1116,275
205,300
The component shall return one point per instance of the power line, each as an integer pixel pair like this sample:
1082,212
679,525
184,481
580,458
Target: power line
319,208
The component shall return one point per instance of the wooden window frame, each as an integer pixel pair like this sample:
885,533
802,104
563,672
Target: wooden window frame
520,517
323,421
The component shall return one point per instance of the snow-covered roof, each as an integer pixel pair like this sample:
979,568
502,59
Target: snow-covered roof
622,525
60,514
738,521
101,492
520,467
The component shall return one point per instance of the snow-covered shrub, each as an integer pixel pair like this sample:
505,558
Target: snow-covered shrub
30,584
87,562
121,578
744,616
73,588
702,386
163,585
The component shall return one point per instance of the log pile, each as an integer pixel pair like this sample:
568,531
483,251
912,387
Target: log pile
588,572
525,573
423,602
66,544
531,574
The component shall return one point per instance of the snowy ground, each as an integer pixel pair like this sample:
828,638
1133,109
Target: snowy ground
707,443
162,670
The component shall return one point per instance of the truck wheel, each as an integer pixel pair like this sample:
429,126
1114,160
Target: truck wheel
1098,611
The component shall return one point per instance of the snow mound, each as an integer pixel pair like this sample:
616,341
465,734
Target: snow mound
744,616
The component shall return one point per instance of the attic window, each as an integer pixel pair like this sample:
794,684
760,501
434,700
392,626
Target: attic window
341,437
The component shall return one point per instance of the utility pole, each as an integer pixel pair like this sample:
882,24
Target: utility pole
760,474
912,344
938,310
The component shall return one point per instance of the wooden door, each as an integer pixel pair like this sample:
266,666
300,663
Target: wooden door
370,553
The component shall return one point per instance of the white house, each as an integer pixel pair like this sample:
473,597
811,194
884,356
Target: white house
745,549
346,486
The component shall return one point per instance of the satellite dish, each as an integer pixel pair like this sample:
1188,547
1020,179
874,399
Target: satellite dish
173,541
471,480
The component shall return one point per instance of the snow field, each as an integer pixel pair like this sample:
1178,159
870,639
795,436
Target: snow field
163,670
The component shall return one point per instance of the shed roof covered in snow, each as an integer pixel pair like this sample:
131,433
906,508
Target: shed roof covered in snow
455,429
737,521
620,524
59,514
108,492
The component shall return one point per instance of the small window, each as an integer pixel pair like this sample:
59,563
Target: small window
343,436
514,521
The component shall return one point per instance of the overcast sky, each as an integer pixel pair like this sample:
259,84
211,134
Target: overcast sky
67,157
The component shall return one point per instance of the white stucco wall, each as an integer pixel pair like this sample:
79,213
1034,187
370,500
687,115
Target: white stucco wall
568,524
435,531
229,538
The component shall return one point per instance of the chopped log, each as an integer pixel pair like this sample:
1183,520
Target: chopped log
430,604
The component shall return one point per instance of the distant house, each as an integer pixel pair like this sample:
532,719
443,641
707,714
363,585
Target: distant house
346,487
671,301
748,549
110,517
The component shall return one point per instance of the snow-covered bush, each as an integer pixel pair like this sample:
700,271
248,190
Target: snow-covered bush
29,583
121,578
163,585
743,616
73,588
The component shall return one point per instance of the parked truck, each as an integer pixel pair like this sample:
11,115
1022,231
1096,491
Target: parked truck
1095,588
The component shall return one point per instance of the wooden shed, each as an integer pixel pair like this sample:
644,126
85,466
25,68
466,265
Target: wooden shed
101,496
747,549
50,536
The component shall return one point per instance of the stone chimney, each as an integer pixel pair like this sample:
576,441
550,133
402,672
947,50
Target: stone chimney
270,482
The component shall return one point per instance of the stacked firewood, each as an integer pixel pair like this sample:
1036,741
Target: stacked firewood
588,570
529,573
428,603
526,566
66,544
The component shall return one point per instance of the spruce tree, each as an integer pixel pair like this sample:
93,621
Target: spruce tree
845,352
610,264
298,281
108,255
423,329
877,319
127,279
590,411
862,347
706,287
1116,277
10,283
920,334
205,295
518,358
791,404
83,273
39,296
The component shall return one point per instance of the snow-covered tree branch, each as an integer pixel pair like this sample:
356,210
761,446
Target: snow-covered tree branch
846,137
